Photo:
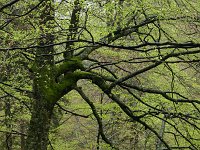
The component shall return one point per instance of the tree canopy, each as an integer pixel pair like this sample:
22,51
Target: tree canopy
99,74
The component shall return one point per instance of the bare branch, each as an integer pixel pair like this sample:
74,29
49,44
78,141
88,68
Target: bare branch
92,106
9,4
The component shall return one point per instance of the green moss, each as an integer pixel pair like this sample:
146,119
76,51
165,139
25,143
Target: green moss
70,65
45,76
50,90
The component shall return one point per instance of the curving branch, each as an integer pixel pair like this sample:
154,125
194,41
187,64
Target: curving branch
71,112
111,37
145,69
9,4
103,86
129,113
95,113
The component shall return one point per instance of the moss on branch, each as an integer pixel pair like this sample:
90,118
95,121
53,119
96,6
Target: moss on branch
69,66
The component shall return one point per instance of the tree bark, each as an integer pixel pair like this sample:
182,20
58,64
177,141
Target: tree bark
22,136
44,94
39,126
9,139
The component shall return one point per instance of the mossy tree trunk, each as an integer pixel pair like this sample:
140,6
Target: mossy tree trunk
39,126
44,80
47,89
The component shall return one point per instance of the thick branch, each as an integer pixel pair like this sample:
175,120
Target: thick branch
129,112
154,91
69,65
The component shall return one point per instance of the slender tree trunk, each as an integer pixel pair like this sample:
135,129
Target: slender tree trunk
161,133
9,139
22,137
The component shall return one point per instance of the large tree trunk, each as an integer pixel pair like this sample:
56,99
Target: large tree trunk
43,82
39,126
47,90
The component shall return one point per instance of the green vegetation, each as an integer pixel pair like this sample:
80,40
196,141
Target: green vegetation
99,74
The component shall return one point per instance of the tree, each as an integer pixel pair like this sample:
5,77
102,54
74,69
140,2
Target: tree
141,55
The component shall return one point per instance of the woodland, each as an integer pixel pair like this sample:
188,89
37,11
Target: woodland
99,75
